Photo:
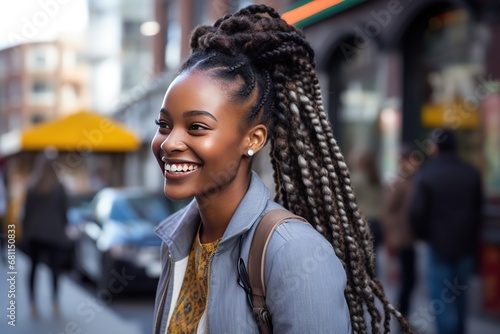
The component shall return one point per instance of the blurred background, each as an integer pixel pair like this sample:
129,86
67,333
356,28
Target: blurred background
87,77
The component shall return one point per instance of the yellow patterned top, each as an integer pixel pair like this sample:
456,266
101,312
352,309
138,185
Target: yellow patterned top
193,295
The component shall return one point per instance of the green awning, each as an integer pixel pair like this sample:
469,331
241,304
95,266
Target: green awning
306,12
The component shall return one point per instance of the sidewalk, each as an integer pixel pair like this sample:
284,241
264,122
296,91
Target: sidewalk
422,309
81,311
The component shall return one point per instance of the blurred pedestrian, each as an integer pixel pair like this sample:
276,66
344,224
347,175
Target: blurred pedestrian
446,211
44,225
365,180
250,78
396,228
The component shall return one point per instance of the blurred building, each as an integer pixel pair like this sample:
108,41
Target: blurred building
394,70
118,49
40,81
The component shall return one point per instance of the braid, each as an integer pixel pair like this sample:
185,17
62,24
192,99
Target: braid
258,48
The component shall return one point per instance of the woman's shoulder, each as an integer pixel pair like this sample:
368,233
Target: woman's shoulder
298,239
297,248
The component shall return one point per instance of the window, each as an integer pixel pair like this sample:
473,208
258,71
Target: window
42,58
42,92
37,117
359,100
451,77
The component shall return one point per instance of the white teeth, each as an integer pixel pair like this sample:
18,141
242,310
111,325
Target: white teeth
180,168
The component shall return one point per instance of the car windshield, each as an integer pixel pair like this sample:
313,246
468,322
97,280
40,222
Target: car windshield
151,208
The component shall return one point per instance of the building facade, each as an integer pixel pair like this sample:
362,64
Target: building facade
42,81
393,70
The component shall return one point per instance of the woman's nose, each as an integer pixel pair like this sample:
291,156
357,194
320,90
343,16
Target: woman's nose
173,142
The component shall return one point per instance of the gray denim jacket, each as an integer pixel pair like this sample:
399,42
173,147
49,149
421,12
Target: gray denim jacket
305,280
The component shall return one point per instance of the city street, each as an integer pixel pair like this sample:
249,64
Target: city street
86,310
83,308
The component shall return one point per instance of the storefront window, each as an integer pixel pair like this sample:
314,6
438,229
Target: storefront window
355,105
452,74
359,100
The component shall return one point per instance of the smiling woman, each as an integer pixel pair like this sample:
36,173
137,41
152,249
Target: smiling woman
198,134
251,79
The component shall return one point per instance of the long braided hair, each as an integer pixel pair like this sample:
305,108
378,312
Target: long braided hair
274,65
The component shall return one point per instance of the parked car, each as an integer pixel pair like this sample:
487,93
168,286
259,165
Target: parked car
116,238
77,206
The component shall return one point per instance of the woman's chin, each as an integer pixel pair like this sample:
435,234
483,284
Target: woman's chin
175,195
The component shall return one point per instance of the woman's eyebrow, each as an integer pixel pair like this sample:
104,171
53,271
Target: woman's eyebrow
193,113
164,112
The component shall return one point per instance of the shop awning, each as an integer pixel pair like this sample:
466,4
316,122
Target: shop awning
82,131
307,12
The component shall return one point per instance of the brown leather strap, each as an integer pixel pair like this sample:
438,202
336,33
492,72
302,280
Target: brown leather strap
256,262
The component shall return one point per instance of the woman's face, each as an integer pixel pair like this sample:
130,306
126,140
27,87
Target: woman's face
199,143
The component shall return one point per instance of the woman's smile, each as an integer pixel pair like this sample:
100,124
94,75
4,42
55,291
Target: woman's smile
179,169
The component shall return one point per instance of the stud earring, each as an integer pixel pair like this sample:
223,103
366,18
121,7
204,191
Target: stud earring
250,152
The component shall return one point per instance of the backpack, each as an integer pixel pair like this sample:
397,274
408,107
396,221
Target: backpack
253,281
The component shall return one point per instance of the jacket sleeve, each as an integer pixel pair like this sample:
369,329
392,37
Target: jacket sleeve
305,283
419,209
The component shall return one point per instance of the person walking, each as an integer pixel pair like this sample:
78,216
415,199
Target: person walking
250,78
446,212
397,233
44,224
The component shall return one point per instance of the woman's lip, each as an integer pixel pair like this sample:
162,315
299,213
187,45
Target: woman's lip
178,162
177,176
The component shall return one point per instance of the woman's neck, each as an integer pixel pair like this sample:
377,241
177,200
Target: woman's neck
217,209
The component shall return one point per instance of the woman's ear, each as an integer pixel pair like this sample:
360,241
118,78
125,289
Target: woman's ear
255,139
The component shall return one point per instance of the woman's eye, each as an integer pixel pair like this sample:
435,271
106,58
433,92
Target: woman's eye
197,127
161,124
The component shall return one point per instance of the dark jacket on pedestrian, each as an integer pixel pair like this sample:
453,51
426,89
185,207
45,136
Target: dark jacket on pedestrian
446,206
395,225
45,217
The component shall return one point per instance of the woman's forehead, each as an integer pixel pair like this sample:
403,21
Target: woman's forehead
197,91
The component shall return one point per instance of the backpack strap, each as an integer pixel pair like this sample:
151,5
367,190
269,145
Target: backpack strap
256,262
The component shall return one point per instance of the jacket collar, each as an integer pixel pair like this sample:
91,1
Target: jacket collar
178,230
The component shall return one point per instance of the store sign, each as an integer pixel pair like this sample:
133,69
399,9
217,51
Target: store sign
456,115
454,101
